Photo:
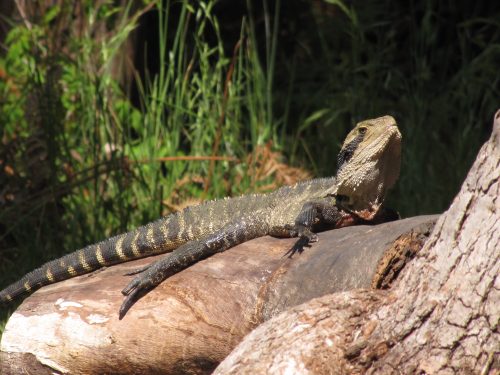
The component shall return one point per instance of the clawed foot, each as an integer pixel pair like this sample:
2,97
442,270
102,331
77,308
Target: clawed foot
147,279
136,289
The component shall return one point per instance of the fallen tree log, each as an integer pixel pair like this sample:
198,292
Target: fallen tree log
194,319
440,316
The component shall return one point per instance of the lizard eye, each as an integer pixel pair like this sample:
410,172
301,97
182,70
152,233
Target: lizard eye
362,130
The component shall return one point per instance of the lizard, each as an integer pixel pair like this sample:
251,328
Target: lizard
368,165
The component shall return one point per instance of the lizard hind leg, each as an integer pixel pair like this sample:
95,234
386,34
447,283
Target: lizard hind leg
185,255
148,278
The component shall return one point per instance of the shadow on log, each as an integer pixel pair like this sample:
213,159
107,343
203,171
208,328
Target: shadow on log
194,319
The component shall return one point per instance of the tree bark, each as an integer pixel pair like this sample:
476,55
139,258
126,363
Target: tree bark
440,316
194,319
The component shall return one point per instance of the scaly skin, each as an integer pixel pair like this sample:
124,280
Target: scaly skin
368,165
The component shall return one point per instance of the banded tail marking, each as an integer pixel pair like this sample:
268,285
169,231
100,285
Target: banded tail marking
27,286
49,275
119,248
83,261
181,224
134,247
165,231
150,237
98,255
71,270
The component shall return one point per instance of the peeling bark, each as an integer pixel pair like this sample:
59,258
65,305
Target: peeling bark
440,315
448,303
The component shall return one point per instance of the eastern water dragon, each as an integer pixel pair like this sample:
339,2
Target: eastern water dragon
367,166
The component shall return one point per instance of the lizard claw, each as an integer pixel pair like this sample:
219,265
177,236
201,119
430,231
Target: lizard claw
133,292
150,276
131,286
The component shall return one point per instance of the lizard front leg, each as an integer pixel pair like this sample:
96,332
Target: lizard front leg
321,211
189,253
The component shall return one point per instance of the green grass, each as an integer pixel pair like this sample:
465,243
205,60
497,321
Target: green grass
103,166
79,162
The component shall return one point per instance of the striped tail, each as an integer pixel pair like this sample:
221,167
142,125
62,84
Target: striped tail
74,264
154,238
157,237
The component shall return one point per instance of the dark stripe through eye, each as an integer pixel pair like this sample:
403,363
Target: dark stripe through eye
346,153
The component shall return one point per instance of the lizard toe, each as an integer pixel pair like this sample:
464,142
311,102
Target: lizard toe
136,271
131,286
136,289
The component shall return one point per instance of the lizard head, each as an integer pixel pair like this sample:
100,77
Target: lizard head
368,165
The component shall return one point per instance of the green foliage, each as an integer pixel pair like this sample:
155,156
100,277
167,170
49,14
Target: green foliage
101,165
